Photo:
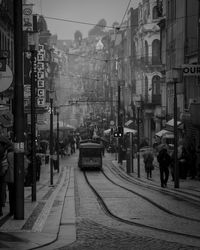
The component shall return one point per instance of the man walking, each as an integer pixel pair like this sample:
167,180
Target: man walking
164,160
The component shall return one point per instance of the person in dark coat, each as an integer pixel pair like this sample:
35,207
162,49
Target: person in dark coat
38,166
183,163
164,161
9,178
192,162
148,162
4,145
3,170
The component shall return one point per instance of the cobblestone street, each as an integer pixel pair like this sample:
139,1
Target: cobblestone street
94,236
95,230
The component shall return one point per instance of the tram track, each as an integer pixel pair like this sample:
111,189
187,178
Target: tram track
152,202
108,210
187,196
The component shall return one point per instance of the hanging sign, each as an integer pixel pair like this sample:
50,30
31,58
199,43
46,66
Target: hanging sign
27,21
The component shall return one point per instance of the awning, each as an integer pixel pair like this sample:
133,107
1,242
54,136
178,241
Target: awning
128,123
171,123
163,132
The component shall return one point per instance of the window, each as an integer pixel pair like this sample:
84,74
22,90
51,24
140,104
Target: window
156,85
155,12
171,10
146,47
156,52
146,89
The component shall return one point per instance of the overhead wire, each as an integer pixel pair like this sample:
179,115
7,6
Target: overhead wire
108,26
137,55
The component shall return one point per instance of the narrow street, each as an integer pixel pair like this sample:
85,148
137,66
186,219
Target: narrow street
72,217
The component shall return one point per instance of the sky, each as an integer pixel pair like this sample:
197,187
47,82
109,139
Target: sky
87,11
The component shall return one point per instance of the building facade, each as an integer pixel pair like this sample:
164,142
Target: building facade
148,74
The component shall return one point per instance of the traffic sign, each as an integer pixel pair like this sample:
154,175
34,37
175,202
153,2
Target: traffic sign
191,69
6,78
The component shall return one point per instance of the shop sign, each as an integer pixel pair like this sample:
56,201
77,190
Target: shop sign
191,69
41,76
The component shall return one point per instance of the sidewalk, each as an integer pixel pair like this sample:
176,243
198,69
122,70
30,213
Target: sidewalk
42,218
189,186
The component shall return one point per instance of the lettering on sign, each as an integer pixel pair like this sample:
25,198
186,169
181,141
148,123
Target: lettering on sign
191,70
40,75
41,92
40,83
41,102
40,65
41,47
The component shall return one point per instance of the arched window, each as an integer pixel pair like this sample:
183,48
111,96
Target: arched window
146,89
156,52
156,85
146,47
155,12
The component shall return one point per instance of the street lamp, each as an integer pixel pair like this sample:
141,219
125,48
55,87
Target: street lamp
138,106
175,76
57,146
51,140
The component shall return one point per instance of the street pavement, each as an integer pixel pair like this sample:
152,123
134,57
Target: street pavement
55,206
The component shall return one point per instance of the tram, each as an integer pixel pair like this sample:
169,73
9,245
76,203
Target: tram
90,155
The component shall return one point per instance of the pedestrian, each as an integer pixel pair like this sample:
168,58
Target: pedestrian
172,166
192,162
198,162
9,178
164,161
3,171
148,163
183,163
28,172
38,166
55,161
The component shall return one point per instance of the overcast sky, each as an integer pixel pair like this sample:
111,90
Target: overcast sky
88,11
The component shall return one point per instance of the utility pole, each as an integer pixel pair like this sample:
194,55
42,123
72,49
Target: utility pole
138,141
51,141
18,125
119,123
176,167
58,149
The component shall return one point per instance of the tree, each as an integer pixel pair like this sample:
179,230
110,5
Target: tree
78,37
98,29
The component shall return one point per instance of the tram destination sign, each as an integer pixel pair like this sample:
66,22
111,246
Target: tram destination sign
191,69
